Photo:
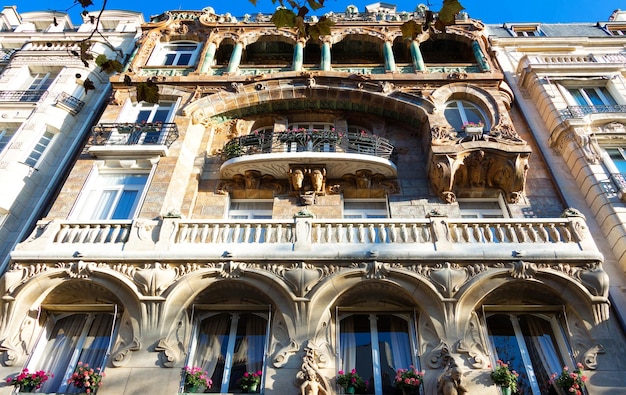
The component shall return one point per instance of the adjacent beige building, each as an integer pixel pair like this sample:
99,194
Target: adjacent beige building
255,200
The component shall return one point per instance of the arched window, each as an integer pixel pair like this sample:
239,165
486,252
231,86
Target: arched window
459,113
228,344
532,344
376,345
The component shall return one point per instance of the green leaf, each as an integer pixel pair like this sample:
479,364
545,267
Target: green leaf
101,59
148,91
411,29
316,4
85,3
284,17
449,10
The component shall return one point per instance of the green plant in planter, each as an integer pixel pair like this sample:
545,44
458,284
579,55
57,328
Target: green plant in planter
232,149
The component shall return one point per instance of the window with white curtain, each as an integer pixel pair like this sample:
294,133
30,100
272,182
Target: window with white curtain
377,345
228,344
532,344
483,207
70,338
113,196
37,153
250,209
174,54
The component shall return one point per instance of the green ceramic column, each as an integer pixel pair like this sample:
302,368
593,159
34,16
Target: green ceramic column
208,58
235,58
416,54
480,58
390,62
298,56
325,63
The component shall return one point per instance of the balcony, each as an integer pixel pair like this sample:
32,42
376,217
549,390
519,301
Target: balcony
436,239
132,138
26,96
69,103
271,152
582,111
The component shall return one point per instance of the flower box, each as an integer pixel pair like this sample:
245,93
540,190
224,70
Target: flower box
474,131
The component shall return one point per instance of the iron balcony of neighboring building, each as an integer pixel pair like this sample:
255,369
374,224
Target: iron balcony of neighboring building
134,139
69,103
272,152
23,96
582,111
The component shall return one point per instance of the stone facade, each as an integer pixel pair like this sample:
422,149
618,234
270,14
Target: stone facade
299,207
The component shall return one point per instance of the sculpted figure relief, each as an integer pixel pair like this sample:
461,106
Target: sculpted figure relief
450,382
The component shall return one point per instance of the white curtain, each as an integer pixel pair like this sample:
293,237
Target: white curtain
348,343
213,332
255,337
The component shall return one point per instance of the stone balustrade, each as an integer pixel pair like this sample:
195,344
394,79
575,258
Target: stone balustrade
434,238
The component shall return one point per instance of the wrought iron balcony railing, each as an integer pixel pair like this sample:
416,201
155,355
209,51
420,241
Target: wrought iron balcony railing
134,134
69,103
581,111
303,140
30,96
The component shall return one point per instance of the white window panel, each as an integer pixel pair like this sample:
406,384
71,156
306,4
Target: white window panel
483,208
113,196
5,138
38,151
250,209
174,54
365,208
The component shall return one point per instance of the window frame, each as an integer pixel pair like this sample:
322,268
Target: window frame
39,149
251,212
55,313
480,212
92,186
203,312
365,213
584,91
374,316
5,142
160,55
458,105
525,30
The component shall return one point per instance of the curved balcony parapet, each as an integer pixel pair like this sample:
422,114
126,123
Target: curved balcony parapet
325,141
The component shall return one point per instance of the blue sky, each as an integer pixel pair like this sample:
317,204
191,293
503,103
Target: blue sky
489,11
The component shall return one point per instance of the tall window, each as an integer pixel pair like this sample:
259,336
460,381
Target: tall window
149,119
69,339
5,137
532,344
113,196
376,345
40,81
174,54
36,155
228,344
592,96
460,112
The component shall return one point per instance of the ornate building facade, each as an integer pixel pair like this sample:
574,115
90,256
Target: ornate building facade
254,200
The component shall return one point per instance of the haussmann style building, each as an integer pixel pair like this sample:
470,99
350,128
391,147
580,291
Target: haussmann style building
254,200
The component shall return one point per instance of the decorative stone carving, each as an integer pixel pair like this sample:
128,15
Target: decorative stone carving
169,352
473,344
595,279
80,269
283,353
451,381
154,278
313,382
302,277
590,357
477,170
448,278
123,353
439,356
377,270
523,270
